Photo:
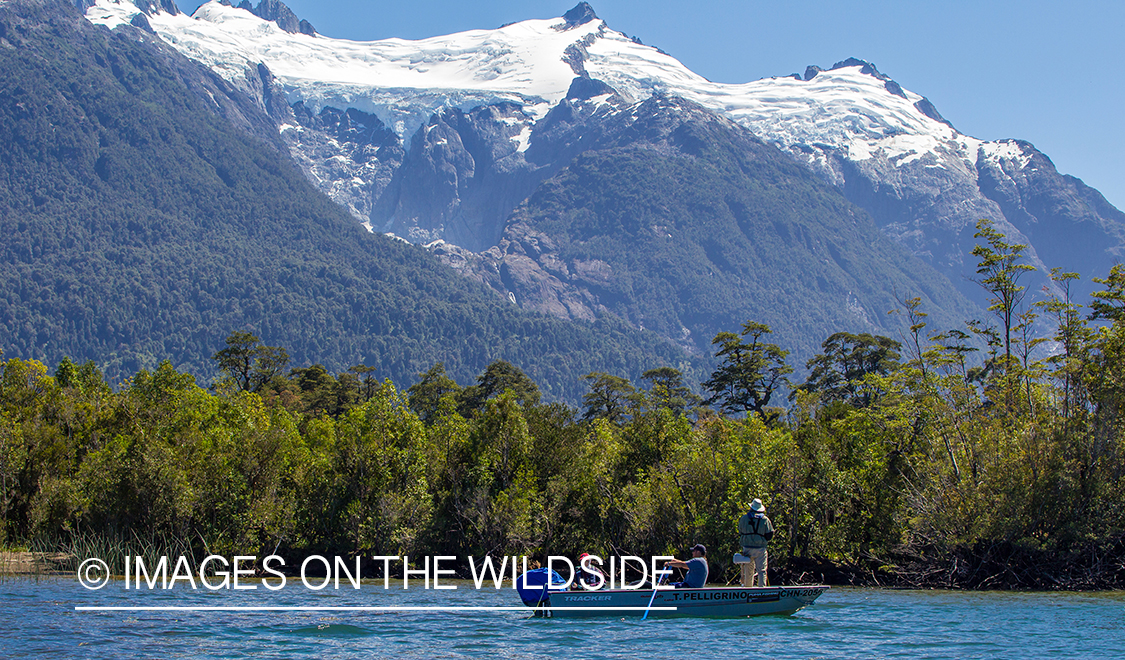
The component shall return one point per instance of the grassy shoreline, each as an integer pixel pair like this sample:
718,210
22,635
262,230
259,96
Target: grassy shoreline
26,562
1024,573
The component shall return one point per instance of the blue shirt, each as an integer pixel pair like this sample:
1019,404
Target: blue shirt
696,573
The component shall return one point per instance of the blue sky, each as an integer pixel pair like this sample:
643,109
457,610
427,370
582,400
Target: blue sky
1050,73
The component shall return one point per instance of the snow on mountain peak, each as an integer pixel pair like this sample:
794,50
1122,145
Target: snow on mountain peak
850,108
1007,150
400,81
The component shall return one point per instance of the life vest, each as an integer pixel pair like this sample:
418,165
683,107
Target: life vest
756,537
590,577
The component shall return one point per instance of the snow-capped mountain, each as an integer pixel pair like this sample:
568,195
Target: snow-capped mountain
850,108
441,138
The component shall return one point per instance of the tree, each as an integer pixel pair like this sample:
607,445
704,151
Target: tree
1074,336
320,392
917,319
87,378
750,373
366,384
497,378
1026,343
1105,374
608,397
669,391
1110,304
249,363
427,393
838,372
999,273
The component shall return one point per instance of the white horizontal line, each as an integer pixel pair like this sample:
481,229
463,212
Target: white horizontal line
357,608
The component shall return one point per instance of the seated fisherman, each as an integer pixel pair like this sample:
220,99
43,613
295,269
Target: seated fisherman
591,577
696,568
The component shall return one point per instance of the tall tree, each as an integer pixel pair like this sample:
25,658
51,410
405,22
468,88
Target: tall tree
917,319
846,359
497,378
999,271
249,363
1105,376
669,391
366,384
608,397
1110,304
1073,335
750,372
427,393
320,392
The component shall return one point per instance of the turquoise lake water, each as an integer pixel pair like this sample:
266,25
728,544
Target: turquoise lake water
38,620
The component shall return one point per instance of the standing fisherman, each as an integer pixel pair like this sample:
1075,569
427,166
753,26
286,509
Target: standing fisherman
755,531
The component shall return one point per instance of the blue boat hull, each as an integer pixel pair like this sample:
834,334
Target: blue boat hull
706,602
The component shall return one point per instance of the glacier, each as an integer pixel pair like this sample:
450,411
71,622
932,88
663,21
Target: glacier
887,148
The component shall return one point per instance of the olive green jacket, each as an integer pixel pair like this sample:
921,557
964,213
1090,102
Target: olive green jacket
755,530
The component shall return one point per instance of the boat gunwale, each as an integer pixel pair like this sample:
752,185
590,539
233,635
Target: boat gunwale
670,588
703,602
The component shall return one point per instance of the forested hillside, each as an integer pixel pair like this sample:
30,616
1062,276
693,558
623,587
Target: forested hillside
147,210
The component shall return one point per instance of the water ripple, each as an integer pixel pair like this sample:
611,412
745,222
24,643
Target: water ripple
39,621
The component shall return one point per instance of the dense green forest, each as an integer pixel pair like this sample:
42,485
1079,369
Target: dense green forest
147,209
919,462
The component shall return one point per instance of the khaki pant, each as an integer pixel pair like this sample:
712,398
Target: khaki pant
758,568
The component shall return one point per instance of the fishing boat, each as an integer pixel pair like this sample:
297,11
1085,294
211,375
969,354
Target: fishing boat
548,600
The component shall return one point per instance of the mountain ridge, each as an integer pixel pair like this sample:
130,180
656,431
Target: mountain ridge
887,148
681,221
149,208
456,140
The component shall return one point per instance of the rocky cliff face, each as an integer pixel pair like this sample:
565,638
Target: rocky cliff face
1065,220
682,222
462,175
348,154
278,12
